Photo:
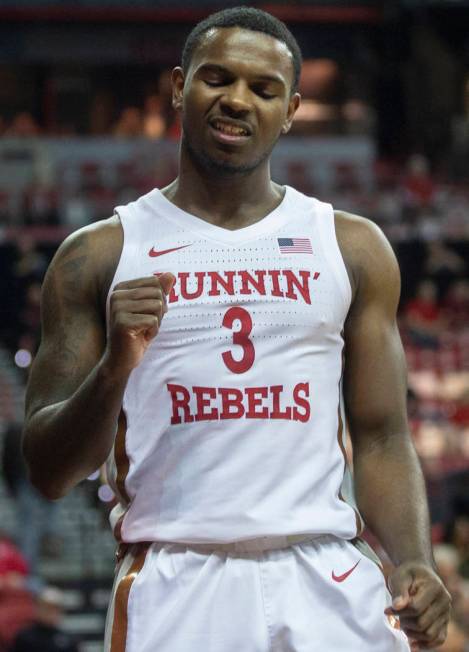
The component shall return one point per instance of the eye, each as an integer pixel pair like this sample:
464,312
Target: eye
265,94
214,82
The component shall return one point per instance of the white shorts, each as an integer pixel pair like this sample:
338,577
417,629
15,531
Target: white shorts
320,595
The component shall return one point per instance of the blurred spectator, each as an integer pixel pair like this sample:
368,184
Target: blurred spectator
23,125
174,130
35,515
456,305
77,210
360,117
154,124
30,263
101,114
320,88
16,603
423,316
418,184
448,562
443,264
45,633
459,414
14,568
129,124
431,443
40,204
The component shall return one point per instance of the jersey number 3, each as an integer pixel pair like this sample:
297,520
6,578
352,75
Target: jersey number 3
240,337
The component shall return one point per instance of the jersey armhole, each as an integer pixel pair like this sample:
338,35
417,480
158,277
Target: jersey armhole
326,226
123,214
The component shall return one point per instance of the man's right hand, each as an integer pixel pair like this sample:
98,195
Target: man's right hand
137,308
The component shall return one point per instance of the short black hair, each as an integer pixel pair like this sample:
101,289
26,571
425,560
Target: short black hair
246,18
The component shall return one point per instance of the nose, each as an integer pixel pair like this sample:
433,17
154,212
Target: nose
236,99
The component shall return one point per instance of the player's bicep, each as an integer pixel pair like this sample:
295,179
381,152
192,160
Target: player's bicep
375,372
73,330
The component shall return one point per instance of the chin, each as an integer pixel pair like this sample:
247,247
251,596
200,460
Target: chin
224,166
219,162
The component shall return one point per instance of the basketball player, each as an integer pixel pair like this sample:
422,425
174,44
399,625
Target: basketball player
198,340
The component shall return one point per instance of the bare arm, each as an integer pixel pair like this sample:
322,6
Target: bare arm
67,434
386,467
78,379
389,484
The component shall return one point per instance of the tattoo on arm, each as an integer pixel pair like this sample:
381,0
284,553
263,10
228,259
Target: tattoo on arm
71,333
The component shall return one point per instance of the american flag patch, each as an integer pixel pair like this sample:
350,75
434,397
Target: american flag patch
295,245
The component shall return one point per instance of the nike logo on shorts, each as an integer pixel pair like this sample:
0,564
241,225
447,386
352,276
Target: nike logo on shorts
153,253
341,578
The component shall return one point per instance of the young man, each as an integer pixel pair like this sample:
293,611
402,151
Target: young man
214,385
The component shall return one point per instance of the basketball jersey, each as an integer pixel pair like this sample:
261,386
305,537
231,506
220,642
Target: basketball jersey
232,425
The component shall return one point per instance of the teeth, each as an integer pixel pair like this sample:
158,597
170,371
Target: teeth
231,130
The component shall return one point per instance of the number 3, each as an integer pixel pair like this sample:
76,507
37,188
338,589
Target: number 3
241,338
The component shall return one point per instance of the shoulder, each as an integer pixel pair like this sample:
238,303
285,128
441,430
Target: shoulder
367,253
355,234
90,256
104,233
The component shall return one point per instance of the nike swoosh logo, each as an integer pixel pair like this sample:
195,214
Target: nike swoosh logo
341,578
153,253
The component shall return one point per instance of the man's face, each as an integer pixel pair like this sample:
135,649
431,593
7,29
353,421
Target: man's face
235,99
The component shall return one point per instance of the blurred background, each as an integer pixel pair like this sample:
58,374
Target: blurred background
86,124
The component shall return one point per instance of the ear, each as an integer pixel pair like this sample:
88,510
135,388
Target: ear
177,82
293,105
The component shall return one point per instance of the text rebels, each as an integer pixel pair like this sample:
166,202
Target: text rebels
216,403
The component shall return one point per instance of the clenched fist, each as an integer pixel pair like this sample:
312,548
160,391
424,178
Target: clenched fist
422,603
137,308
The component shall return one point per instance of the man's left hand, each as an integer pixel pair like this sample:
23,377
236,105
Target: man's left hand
422,603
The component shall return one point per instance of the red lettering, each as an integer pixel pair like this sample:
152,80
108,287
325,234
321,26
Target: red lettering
255,396
231,403
258,284
173,297
302,402
216,280
275,276
203,397
302,286
180,403
241,339
231,398
183,278
276,413
192,285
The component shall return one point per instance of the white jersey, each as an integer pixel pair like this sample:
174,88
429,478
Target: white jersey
232,425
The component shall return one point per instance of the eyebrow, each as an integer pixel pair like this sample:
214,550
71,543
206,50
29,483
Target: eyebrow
215,67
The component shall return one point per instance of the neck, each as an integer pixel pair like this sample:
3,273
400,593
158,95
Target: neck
223,199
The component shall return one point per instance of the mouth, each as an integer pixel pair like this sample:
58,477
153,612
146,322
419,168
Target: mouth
230,132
